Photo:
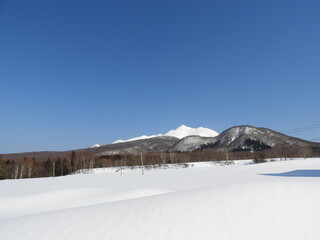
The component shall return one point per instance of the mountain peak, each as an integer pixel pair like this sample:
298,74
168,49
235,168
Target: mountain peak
180,132
184,131
95,145
183,127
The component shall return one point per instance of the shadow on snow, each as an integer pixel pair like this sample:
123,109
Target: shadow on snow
296,173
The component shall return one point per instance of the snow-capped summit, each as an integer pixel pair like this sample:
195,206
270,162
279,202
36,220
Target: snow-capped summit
137,138
184,131
180,132
95,145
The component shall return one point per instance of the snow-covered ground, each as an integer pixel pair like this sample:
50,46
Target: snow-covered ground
274,200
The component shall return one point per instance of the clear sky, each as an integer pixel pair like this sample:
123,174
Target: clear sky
74,73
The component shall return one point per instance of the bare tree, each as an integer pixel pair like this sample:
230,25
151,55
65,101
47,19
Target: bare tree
73,161
163,157
141,158
15,173
86,160
121,165
3,169
23,165
31,166
306,151
259,157
228,162
62,165
53,168
174,157
282,150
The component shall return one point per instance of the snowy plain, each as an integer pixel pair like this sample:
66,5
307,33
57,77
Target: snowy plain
274,200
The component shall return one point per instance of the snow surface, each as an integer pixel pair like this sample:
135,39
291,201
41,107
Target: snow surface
180,132
274,200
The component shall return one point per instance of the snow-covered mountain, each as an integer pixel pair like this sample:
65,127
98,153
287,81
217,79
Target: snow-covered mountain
180,132
249,138
235,139
239,138
242,138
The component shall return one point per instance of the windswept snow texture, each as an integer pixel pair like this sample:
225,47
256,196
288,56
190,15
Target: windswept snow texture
271,201
180,132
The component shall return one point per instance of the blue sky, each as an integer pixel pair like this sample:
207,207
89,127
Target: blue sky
74,73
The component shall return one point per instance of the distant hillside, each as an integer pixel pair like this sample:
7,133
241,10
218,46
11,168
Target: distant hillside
235,139
249,138
155,144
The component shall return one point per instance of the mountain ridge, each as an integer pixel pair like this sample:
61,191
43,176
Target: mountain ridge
180,132
242,138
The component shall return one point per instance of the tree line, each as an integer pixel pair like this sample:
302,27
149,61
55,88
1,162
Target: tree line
74,162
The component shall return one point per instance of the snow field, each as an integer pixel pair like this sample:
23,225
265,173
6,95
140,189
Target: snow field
203,202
